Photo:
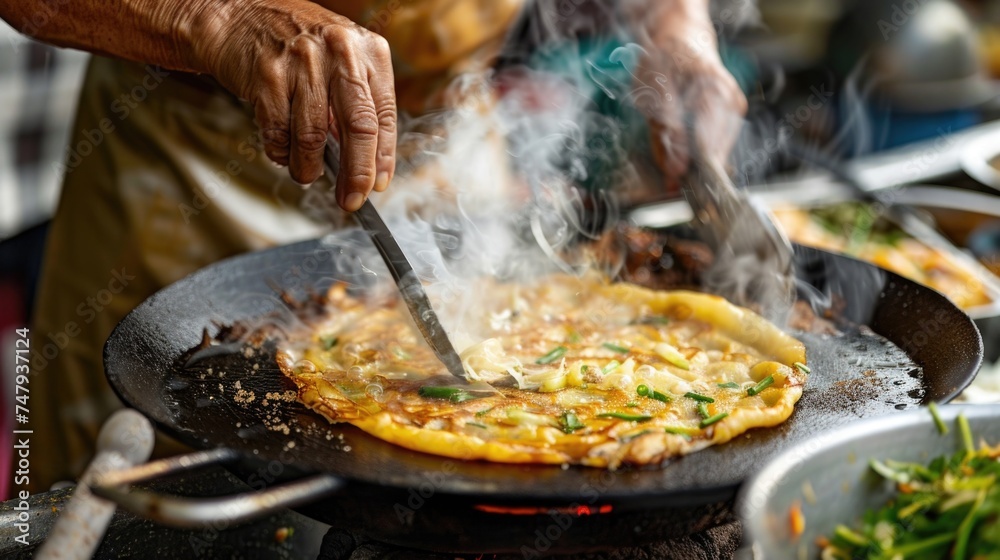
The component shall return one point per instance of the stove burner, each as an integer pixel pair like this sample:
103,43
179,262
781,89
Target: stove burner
719,542
641,535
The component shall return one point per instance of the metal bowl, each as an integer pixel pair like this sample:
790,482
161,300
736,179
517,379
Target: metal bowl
835,465
980,159
955,211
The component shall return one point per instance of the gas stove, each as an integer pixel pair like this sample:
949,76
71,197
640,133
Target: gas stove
289,534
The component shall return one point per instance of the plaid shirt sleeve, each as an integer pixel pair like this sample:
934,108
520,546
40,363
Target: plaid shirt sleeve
39,86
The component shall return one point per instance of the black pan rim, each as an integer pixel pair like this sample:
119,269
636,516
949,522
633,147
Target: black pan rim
679,497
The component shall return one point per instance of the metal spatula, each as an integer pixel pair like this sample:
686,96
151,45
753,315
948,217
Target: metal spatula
753,258
402,273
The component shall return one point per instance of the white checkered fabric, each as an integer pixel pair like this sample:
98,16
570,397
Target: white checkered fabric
39,86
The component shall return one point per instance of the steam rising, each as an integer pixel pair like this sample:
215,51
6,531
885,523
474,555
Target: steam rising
502,183
483,190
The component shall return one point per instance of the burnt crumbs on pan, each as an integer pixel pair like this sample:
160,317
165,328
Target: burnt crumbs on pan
585,372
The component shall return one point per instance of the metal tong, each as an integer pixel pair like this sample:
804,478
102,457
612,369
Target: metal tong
402,273
753,258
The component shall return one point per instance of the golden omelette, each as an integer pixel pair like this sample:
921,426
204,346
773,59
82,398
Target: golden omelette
585,372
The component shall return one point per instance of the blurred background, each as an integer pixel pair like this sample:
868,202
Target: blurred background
905,90
856,108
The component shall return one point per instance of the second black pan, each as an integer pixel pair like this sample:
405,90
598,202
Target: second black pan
229,399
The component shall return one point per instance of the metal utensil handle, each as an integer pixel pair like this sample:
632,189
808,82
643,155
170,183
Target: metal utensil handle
192,513
126,438
424,317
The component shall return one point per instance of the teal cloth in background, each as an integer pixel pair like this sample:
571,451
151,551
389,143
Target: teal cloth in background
613,131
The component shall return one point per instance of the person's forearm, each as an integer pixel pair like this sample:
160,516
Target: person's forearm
152,31
306,71
661,21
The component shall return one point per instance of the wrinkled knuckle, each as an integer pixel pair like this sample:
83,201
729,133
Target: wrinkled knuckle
304,48
379,46
363,122
338,41
310,139
387,118
277,137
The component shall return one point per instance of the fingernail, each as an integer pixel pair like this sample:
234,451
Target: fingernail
381,181
354,201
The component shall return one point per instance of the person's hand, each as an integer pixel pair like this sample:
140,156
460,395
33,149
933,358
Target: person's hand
308,71
679,76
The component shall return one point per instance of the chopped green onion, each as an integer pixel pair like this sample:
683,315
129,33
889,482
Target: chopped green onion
850,536
861,231
935,413
963,428
729,385
885,471
802,367
683,432
625,416
908,549
632,404
652,320
612,366
699,397
943,507
672,355
329,342
761,385
476,424
615,348
713,419
703,410
912,509
553,355
965,529
438,392
574,337
645,391
629,437
484,411
450,393
660,396
570,423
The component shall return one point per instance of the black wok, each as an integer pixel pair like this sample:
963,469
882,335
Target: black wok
854,375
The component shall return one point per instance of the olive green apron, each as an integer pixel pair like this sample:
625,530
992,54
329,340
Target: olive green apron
165,174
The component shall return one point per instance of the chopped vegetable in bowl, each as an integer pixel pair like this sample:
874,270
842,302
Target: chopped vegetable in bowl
948,508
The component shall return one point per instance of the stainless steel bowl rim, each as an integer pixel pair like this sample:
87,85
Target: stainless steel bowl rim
759,490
